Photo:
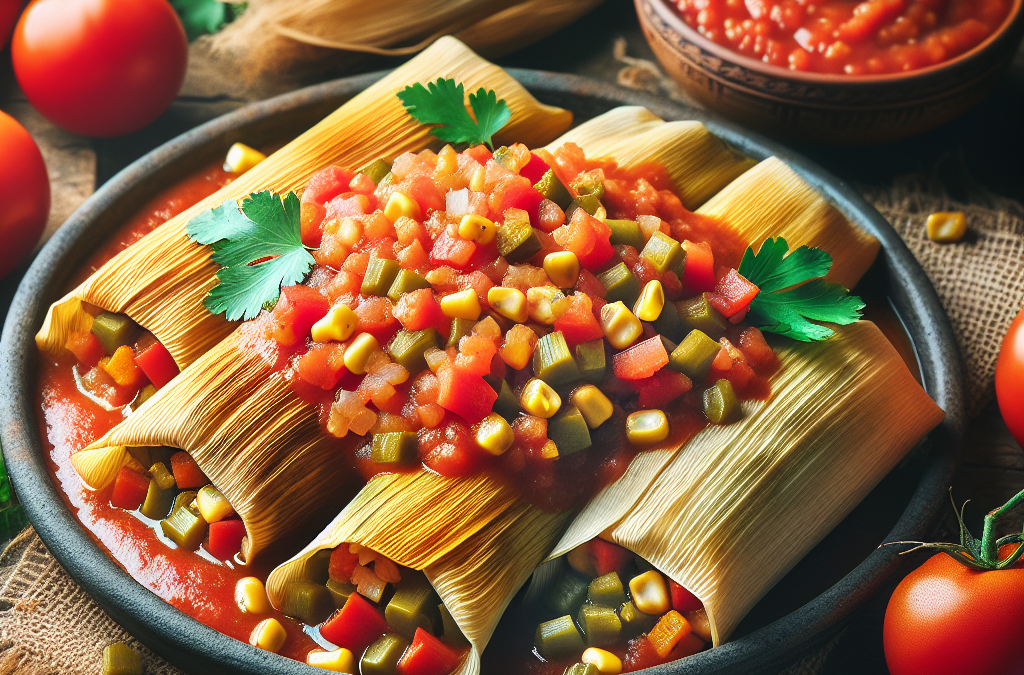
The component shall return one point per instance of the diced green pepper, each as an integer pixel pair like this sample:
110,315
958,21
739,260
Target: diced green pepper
306,601
114,330
620,285
635,622
569,431
376,170
698,314
517,240
408,347
589,203
163,477
600,624
406,281
144,395
158,501
394,447
694,355
568,594
451,633
507,404
552,360
589,183
460,329
558,638
664,253
582,669
184,501
381,658
552,188
607,590
340,592
668,322
120,659
318,567
380,274
590,358
414,605
720,403
626,232
142,454
184,527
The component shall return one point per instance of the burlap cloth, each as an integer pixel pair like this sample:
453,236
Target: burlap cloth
49,626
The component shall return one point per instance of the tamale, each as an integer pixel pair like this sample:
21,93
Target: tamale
161,281
740,504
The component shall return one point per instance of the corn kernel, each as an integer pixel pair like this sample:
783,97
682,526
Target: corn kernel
268,634
494,434
338,324
946,227
400,204
477,228
213,506
462,305
651,301
540,301
337,661
605,662
620,326
592,404
646,426
241,158
251,596
509,302
563,268
549,450
359,351
650,592
479,179
538,398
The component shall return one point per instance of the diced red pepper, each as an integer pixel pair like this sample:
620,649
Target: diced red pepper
295,313
327,184
450,450
465,393
608,557
355,626
733,294
758,353
225,538
428,656
682,599
187,473
86,347
699,270
452,251
311,223
323,365
349,204
342,563
419,309
534,169
130,488
641,360
156,362
480,153
662,388
578,323
516,194
377,318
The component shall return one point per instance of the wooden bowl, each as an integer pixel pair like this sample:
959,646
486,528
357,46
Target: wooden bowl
826,108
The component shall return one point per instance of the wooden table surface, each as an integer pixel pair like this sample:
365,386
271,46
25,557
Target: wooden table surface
974,159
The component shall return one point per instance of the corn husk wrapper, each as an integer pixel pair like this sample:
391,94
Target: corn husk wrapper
740,505
161,281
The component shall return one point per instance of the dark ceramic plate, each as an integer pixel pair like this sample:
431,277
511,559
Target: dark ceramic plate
808,607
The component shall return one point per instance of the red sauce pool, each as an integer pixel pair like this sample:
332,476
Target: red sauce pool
842,36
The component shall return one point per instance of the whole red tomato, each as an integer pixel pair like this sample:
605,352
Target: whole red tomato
100,67
9,10
947,619
1010,378
24,193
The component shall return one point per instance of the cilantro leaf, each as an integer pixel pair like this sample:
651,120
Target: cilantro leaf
793,292
443,103
259,248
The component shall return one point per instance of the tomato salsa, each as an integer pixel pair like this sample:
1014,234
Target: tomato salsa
844,36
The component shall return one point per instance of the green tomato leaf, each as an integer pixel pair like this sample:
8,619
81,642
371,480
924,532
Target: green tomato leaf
202,17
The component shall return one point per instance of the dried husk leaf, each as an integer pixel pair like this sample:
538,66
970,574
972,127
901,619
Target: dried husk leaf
740,505
98,467
160,282
698,162
522,24
771,200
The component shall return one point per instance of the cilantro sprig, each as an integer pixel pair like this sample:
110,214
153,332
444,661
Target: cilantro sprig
443,103
259,249
794,292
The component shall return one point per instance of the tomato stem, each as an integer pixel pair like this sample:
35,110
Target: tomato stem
989,542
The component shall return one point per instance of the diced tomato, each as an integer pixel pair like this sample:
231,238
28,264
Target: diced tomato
355,626
225,538
327,184
480,153
86,347
476,354
740,376
534,169
427,656
465,393
662,388
343,283
408,230
578,323
377,318
414,257
130,488
187,474
452,251
311,219
342,563
588,238
733,294
607,557
699,270
419,309
516,194
349,204
123,369
640,654
641,360
758,353
425,191
323,365
682,599
156,362
449,449
588,283
295,313
362,184
720,366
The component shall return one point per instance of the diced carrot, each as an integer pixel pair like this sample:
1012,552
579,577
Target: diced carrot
641,360
666,634
187,474
86,347
122,367
479,152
